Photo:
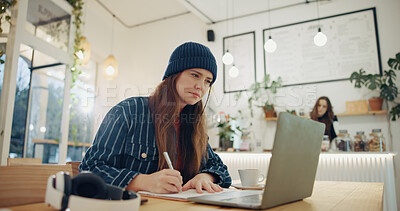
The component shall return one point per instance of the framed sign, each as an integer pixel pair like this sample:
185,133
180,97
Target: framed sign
242,48
352,44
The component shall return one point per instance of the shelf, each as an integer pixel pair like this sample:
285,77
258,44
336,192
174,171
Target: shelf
373,113
52,141
276,118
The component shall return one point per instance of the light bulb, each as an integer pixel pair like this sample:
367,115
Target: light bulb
42,129
270,45
234,71
80,54
320,38
227,59
110,70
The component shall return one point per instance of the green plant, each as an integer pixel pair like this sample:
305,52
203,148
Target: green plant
225,127
262,94
4,5
291,111
77,13
385,84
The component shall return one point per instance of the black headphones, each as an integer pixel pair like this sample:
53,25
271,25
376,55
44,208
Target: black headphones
87,186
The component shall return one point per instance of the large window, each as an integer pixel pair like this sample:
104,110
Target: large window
38,121
46,100
20,106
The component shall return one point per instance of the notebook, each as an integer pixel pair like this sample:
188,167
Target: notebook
184,195
292,167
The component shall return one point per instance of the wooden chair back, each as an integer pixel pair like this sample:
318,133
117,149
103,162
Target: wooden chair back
26,184
75,167
23,161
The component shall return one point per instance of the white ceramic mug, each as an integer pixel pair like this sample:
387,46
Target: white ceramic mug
250,177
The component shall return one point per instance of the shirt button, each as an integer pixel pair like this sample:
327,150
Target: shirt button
144,155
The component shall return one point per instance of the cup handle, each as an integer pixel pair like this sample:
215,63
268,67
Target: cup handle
262,178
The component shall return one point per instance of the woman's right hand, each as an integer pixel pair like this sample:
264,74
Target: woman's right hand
163,181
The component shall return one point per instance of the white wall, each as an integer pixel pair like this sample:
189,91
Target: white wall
338,92
143,53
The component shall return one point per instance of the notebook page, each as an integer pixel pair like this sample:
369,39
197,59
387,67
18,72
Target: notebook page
185,194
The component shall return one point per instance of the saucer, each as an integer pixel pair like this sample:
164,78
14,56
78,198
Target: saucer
254,187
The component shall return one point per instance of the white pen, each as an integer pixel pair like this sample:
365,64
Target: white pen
168,160
169,163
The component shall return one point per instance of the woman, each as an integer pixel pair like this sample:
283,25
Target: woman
322,112
128,147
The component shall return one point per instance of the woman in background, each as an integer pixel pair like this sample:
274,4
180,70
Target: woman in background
322,112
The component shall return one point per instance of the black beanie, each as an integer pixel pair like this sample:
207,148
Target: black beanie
191,55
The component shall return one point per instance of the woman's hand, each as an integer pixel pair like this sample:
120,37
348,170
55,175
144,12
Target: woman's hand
202,181
164,181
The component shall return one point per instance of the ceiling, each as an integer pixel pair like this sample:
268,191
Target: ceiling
133,13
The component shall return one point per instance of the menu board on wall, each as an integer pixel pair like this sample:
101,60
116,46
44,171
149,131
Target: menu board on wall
352,44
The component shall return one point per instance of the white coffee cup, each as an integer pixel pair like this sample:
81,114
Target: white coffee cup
250,177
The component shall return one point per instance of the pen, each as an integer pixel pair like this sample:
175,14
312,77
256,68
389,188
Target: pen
168,160
169,163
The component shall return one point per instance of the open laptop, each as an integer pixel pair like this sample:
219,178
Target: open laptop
292,167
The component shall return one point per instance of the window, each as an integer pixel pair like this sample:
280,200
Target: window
81,113
20,105
46,100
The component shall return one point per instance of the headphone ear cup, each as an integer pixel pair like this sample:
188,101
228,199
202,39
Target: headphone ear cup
89,185
63,182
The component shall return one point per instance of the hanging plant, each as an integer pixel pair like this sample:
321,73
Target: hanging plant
77,13
4,15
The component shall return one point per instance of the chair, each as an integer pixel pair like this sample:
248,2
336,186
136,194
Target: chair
26,184
75,167
23,161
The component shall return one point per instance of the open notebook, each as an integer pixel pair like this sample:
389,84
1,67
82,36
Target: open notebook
184,195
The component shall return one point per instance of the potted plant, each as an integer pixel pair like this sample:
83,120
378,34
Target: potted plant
385,84
262,94
291,111
372,82
226,131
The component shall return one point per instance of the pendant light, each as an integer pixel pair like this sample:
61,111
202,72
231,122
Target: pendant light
320,38
234,71
84,56
110,66
227,59
270,46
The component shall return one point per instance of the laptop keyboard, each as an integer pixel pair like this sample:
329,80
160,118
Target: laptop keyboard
251,199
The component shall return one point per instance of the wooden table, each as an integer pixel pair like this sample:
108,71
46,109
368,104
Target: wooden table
326,196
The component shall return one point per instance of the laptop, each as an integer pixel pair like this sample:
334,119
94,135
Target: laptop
292,167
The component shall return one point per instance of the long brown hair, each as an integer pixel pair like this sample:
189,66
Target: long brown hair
327,118
192,137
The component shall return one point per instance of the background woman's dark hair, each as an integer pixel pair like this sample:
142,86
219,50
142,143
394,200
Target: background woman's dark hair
192,137
327,118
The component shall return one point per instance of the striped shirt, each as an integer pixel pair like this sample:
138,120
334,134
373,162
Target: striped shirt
125,146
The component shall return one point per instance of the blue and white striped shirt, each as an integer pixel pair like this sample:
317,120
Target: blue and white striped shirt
125,146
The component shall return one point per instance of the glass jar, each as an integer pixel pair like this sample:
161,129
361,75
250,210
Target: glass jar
376,141
325,143
360,142
343,142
